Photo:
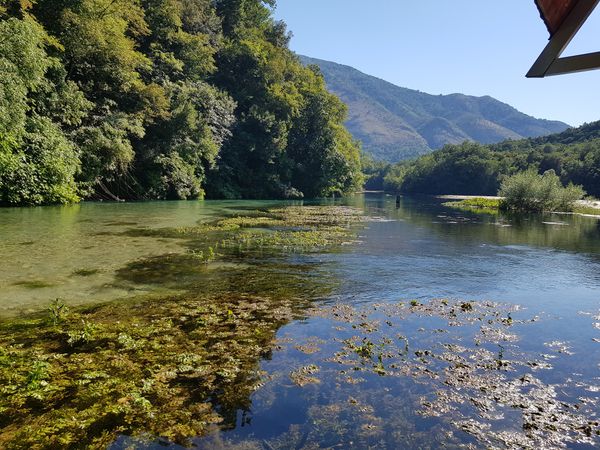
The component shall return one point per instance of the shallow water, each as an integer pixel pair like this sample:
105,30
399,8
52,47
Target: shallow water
75,252
510,357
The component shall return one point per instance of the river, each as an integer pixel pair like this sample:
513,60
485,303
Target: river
432,327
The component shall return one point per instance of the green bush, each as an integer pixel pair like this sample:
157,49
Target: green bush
529,191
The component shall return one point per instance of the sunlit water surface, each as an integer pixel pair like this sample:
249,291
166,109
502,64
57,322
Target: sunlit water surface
74,252
420,251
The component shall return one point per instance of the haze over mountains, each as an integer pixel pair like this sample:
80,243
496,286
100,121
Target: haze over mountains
396,123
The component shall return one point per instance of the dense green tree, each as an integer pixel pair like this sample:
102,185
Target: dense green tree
179,149
464,169
323,155
288,126
38,106
374,172
162,99
532,192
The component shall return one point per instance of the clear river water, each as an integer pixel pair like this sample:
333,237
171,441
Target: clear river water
434,327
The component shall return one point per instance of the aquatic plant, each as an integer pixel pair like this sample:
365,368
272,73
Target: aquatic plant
57,310
203,256
86,272
165,366
81,335
146,366
472,375
477,204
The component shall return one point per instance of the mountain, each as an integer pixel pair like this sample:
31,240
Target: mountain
396,123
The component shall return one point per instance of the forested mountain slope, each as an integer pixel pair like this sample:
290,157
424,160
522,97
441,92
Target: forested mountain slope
471,168
396,123
162,99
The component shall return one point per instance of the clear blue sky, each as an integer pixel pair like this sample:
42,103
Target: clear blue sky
476,47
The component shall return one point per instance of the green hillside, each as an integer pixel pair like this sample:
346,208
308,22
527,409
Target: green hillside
396,123
476,169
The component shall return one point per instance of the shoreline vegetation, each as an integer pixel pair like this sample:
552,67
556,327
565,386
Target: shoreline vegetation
529,192
587,208
186,99
163,99
474,169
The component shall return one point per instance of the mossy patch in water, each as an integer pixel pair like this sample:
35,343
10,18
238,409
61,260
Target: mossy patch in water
168,367
467,358
290,219
477,204
86,272
34,284
158,367
119,223
436,374
266,234
260,221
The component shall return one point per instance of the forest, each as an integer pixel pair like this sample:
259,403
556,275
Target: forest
163,99
476,169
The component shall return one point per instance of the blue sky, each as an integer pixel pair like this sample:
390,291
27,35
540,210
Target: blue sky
437,46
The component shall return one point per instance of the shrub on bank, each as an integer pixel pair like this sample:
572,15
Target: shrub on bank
531,192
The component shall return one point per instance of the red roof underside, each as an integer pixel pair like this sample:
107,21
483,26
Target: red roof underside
554,12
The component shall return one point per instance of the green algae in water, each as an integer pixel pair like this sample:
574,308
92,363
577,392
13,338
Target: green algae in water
434,375
170,366
478,205
85,272
34,284
151,366
261,238
178,366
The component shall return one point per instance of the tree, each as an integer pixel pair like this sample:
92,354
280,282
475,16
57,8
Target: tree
163,99
38,162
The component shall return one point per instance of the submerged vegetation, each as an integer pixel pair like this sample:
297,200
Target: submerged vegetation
167,367
424,374
477,204
467,356
144,367
527,192
162,99
251,314
178,367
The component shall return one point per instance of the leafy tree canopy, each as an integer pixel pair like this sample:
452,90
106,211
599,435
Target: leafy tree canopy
166,99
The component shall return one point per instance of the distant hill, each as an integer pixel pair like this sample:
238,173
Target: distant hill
585,133
479,169
396,123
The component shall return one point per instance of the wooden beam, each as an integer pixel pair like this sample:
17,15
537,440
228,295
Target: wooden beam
561,39
572,64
